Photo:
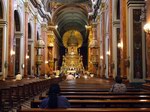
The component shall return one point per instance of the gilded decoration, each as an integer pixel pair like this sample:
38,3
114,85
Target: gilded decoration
76,34
50,39
50,45
72,61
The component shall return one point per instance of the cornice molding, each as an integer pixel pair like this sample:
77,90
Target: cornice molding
37,4
130,2
3,22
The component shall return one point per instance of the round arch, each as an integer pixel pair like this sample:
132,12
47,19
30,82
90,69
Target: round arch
72,16
17,42
17,21
20,16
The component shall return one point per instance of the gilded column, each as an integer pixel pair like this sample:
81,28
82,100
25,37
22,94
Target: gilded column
123,36
10,39
50,52
90,67
94,49
110,40
44,38
26,40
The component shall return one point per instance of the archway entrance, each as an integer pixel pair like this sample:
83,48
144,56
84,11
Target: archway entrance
16,42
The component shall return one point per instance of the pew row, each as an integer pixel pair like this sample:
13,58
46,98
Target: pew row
83,97
126,103
14,93
87,110
97,90
103,93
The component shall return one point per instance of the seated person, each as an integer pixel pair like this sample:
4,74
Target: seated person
18,76
77,75
54,99
118,87
70,77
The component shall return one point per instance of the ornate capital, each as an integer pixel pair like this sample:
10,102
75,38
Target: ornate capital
26,7
94,24
35,18
44,26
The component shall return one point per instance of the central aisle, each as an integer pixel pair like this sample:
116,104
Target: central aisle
87,83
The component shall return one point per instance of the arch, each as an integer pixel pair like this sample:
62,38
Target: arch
71,16
17,47
1,10
17,21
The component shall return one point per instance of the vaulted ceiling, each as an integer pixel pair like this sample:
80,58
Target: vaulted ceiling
70,15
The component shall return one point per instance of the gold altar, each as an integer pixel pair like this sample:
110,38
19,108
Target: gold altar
72,61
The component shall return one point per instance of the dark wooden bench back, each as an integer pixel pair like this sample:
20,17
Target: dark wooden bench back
102,103
88,110
105,97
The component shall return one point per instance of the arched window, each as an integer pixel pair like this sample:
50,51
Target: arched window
17,42
118,9
17,20
1,10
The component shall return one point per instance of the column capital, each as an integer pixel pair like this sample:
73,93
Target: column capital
94,24
35,18
26,7
44,26
50,33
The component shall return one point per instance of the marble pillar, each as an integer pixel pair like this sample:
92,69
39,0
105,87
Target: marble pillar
123,36
110,41
26,41
10,39
103,45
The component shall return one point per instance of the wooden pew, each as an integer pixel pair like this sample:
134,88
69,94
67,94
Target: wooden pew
94,90
87,110
13,93
103,93
110,103
83,97
6,99
102,103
